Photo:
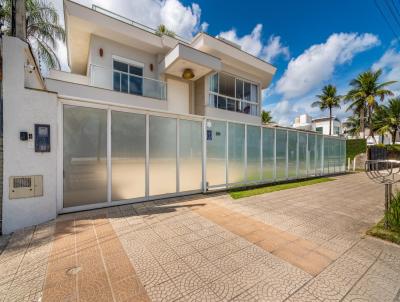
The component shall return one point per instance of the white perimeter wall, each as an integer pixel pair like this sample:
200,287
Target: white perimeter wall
22,109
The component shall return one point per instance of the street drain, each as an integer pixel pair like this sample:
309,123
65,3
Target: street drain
74,270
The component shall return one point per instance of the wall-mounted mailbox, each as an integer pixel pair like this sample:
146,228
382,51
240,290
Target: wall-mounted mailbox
42,138
26,186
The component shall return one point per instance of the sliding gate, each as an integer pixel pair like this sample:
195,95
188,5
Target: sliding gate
113,156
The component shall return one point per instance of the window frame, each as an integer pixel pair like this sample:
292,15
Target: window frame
128,62
238,101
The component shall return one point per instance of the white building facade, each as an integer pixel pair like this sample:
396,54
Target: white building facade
140,117
319,125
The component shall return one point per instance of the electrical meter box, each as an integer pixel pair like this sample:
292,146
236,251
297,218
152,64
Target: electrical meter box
25,186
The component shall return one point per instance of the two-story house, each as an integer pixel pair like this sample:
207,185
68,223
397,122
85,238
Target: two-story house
140,116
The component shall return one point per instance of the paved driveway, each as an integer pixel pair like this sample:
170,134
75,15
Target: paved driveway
304,244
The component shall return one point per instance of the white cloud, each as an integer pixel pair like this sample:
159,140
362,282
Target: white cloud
183,20
390,65
317,63
253,44
204,26
281,112
275,48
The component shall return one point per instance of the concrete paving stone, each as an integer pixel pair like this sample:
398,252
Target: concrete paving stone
226,288
176,268
201,295
188,282
208,272
164,292
210,249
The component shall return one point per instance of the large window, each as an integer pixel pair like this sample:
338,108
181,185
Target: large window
127,77
233,94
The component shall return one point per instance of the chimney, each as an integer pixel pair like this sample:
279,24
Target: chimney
18,19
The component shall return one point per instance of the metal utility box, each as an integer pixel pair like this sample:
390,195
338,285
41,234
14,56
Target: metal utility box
25,186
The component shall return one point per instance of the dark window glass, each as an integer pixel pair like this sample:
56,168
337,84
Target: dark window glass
136,70
135,85
120,66
254,93
221,102
124,82
231,105
247,91
117,79
239,89
226,85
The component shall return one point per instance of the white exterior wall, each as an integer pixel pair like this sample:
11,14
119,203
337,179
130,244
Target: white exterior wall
325,125
22,109
104,64
178,96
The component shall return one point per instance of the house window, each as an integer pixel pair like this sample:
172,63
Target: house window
233,94
336,130
320,130
127,77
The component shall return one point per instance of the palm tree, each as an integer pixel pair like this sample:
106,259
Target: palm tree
266,117
387,118
43,29
163,30
366,88
353,125
359,108
328,100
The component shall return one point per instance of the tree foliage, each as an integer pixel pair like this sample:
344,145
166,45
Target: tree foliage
328,100
43,29
266,117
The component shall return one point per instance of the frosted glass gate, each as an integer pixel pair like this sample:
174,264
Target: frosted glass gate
252,154
116,156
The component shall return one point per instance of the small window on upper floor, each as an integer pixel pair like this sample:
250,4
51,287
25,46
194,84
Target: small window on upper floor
127,78
320,129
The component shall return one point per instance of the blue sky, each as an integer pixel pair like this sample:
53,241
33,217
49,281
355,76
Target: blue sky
311,42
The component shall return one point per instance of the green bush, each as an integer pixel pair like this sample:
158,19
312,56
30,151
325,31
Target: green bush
393,213
355,147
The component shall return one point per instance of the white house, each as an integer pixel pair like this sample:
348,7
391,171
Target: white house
139,117
320,125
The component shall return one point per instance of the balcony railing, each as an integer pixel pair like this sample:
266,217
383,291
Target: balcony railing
136,85
131,22
232,104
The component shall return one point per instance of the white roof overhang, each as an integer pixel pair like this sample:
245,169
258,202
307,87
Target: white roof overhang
235,57
183,56
82,22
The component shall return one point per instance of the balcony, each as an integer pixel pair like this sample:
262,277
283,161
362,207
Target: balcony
98,85
127,83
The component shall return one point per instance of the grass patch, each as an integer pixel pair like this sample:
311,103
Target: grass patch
392,234
236,194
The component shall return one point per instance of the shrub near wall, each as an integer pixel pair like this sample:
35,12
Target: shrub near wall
355,147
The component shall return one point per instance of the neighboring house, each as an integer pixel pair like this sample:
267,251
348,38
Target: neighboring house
319,125
140,117
385,139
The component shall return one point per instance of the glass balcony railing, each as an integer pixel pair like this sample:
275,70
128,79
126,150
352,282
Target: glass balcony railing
119,81
232,104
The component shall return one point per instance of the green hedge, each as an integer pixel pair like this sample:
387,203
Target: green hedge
393,148
355,147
